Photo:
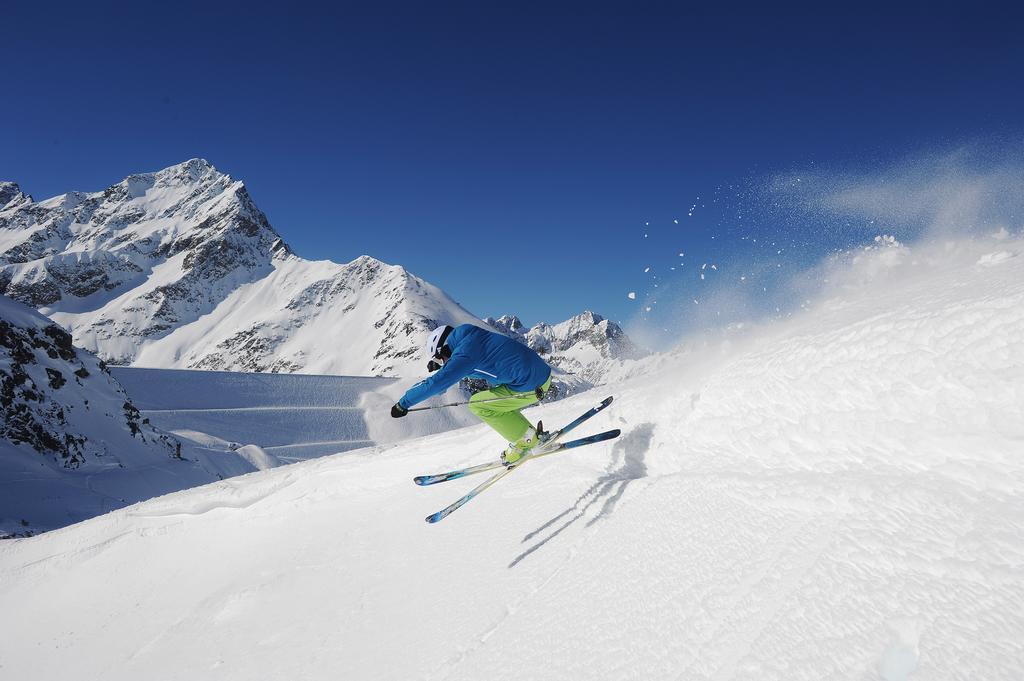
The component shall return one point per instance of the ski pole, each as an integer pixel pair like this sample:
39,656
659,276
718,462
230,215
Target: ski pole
459,404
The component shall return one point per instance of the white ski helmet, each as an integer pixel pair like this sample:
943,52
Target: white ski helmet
436,341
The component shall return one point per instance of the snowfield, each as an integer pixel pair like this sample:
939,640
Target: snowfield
833,496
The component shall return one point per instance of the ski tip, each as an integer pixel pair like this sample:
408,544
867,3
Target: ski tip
606,401
421,480
433,518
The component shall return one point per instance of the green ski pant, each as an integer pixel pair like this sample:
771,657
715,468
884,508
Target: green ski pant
503,414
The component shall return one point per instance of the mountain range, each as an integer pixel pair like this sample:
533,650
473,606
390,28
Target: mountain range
180,269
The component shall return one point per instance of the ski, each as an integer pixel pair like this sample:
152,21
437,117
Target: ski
460,502
548,444
571,444
425,480
590,413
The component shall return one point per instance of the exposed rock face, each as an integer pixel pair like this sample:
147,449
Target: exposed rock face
10,195
61,402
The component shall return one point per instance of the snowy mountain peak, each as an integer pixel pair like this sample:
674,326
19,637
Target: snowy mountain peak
587,317
589,328
134,261
583,349
371,264
11,196
179,268
193,171
8,190
190,171
508,324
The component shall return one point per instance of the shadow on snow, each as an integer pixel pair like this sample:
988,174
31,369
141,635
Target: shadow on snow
609,488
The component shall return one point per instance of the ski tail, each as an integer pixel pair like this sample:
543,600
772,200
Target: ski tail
591,439
590,413
425,480
463,500
588,440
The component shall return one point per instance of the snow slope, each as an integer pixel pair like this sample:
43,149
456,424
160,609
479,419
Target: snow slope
838,496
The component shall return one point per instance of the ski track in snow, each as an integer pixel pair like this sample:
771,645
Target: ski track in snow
292,417
835,497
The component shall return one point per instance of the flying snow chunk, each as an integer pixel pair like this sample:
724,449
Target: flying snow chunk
646,270
631,295
990,259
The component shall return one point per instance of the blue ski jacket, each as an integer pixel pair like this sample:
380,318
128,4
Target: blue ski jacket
478,353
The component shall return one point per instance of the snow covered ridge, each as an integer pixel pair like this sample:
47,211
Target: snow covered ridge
180,269
837,495
65,421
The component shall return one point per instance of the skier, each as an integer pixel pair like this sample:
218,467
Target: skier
519,376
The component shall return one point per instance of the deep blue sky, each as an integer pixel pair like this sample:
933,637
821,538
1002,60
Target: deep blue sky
511,155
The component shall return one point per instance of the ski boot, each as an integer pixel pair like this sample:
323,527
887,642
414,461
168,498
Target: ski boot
518,449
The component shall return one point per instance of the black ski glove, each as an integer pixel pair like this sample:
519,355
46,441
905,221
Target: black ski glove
433,366
398,411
